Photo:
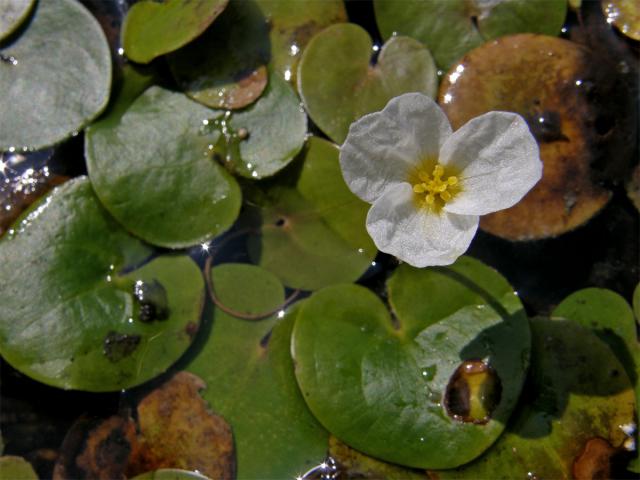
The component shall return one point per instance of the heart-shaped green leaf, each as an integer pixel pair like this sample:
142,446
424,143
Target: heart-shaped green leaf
250,380
398,389
265,137
452,28
12,14
226,66
312,234
151,167
55,77
572,420
292,24
154,28
75,309
338,85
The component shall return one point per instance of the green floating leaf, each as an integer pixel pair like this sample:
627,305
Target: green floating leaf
338,85
170,474
610,317
226,66
55,77
571,421
312,233
265,137
250,380
452,28
12,14
400,389
16,468
69,314
292,24
154,28
151,167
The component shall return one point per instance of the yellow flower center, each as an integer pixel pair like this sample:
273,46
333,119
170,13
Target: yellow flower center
435,189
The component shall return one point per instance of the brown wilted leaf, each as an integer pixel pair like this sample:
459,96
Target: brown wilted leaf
177,430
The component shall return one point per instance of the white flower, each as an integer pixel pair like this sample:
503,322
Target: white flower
428,185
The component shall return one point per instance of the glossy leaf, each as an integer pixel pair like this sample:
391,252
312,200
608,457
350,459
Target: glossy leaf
154,28
72,281
338,85
624,14
55,77
12,14
312,233
170,474
292,24
452,28
226,66
250,380
570,422
265,137
389,388
152,169
544,79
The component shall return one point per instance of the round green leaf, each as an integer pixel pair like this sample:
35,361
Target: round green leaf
385,387
250,380
312,233
16,468
293,23
577,392
226,66
152,168
12,14
55,77
265,137
76,312
170,474
449,28
338,85
154,28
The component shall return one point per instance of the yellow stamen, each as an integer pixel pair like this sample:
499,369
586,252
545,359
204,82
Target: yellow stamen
438,187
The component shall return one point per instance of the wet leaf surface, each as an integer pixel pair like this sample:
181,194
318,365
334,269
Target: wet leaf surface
226,66
552,84
250,380
154,28
338,85
625,15
55,76
292,23
16,468
177,430
12,14
312,233
382,384
71,275
354,464
265,137
170,474
568,422
152,169
452,28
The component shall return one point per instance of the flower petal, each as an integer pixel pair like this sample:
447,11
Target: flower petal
498,160
383,147
416,235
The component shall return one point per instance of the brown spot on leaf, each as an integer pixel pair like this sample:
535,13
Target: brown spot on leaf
557,87
248,88
117,346
594,462
473,392
177,430
96,449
